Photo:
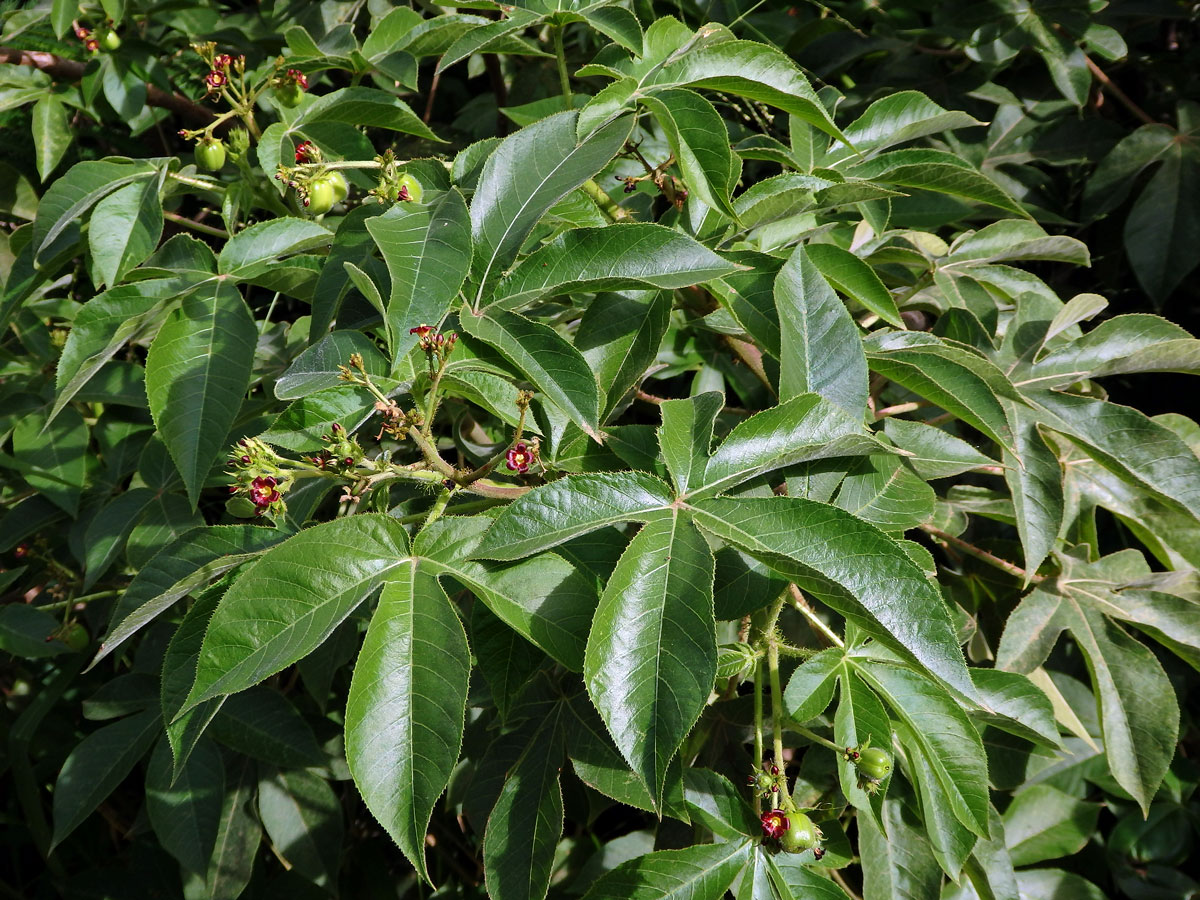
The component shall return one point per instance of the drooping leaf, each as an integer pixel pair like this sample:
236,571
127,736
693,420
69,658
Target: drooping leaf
699,141
404,714
699,872
527,174
686,435
608,259
303,818
184,806
554,366
563,509
427,249
125,229
197,372
289,601
822,350
851,566
651,655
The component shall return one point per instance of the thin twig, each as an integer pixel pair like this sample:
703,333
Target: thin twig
1121,97
979,553
194,225
805,610
70,70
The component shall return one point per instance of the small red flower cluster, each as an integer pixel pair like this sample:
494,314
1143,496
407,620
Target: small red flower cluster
296,77
89,41
519,457
307,152
428,339
215,80
775,823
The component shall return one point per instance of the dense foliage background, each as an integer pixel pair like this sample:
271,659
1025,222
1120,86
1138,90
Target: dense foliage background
837,335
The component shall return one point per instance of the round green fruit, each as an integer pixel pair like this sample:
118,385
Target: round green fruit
320,196
210,155
874,764
75,636
289,95
340,186
801,835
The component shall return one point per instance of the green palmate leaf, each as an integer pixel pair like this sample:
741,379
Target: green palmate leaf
714,801
263,724
1045,823
700,142
856,279
527,820
125,229
53,456
806,427
1165,221
898,864
569,507
821,349
1019,706
427,249
107,323
480,36
651,655
1015,239
1129,444
197,371
178,570
364,106
686,435
1133,343
615,257
851,566
97,765
525,176
944,735
619,336
1139,715
178,673
319,367
84,185
404,714
249,252
1035,479
700,872
291,600
545,599
934,170
935,453
949,374
506,660
184,806
748,69
901,117
238,836
884,490
810,689
303,818
554,366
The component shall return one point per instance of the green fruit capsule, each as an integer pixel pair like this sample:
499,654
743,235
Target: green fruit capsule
408,188
320,196
340,186
801,834
874,764
210,154
289,95
110,40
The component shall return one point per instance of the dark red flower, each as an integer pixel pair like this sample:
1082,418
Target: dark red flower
215,81
775,823
295,76
421,330
306,152
222,61
519,457
263,493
